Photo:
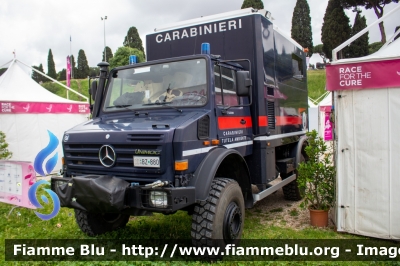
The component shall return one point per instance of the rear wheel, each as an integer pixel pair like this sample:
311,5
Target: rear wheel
292,191
221,216
94,224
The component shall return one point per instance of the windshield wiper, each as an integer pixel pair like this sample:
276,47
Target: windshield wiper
119,106
164,104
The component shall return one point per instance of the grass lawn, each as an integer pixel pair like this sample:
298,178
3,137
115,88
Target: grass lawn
260,224
316,80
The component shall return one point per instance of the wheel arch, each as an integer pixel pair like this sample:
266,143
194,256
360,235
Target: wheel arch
298,149
222,162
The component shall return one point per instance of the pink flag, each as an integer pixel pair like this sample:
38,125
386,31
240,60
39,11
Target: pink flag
68,72
328,128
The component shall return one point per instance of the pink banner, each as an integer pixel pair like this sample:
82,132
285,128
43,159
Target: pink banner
15,180
68,72
364,75
328,129
48,108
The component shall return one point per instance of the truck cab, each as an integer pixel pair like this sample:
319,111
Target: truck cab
207,133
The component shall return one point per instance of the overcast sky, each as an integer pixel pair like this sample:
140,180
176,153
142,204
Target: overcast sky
32,27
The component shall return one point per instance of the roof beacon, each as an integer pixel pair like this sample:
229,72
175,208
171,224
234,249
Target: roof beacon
205,48
132,59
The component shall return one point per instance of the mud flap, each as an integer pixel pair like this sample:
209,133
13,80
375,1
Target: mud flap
91,193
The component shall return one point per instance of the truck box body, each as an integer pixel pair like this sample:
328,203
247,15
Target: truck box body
278,64
278,69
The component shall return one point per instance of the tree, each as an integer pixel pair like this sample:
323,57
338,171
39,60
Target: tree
257,4
398,35
335,28
2,70
94,71
132,39
301,25
83,66
320,50
51,67
4,152
121,56
36,76
62,75
109,55
73,68
359,47
374,47
376,5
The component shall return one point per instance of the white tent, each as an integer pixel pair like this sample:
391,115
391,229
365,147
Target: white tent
28,112
367,102
312,115
315,58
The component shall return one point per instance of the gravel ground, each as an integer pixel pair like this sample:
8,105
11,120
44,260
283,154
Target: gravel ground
281,212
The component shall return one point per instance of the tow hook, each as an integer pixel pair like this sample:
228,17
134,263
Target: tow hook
158,183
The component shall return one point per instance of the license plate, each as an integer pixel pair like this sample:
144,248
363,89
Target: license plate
146,161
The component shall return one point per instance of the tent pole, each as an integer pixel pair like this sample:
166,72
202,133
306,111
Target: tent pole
59,83
6,63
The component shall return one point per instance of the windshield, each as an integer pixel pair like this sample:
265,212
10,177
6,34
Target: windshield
181,83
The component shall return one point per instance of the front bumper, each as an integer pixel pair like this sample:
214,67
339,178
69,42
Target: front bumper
107,194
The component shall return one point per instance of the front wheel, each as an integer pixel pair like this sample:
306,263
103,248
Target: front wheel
221,216
94,224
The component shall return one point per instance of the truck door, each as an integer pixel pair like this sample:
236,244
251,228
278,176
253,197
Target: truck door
234,123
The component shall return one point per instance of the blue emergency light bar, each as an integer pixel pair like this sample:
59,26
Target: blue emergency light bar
205,48
132,59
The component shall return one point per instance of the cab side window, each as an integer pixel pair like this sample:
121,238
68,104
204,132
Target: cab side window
227,94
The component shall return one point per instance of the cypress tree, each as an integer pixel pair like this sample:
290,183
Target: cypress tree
73,68
335,28
62,75
51,67
132,39
257,4
36,76
301,25
109,55
83,66
360,46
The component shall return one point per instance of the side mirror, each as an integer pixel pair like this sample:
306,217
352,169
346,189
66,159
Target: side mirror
243,83
93,89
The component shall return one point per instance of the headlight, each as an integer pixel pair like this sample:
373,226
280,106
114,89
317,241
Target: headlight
158,199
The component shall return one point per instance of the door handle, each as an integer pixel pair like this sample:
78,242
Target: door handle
242,121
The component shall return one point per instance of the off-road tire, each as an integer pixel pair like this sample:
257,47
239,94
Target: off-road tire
292,191
94,224
219,219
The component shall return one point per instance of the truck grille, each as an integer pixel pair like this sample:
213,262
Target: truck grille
81,155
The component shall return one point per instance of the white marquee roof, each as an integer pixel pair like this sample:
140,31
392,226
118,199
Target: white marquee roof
16,85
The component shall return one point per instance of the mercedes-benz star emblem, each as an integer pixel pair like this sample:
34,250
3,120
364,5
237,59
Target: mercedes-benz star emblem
107,156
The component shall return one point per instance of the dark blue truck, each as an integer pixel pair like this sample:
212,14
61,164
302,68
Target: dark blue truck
213,122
